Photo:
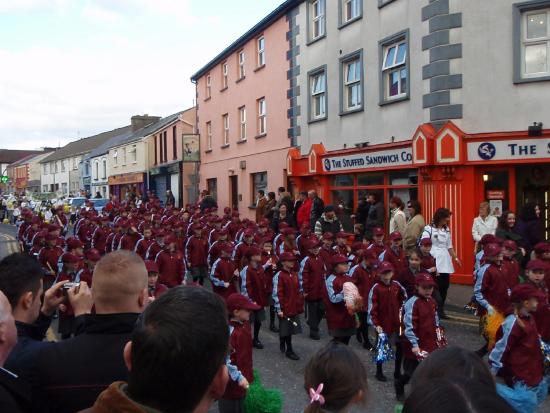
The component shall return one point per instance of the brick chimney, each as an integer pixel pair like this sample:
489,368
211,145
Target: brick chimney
140,121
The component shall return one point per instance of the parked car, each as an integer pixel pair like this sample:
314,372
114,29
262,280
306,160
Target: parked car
99,204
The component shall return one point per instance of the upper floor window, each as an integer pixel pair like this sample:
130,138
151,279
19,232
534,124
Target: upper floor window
96,170
75,163
317,23
104,169
242,123
350,10
394,68
225,73
45,168
115,157
241,58
535,43
209,136
352,82
208,91
123,156
318,94
225,122
63,166
262,117
174,142
261,51
133,153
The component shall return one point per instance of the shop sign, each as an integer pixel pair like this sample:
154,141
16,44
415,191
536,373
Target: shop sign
509,150
191,148
378,159
135,178
496,194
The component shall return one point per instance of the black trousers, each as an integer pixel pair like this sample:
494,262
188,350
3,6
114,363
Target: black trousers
231,405
315,313
443,282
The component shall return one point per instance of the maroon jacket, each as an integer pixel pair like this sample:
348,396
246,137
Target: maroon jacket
157,290
287,293
171,268
85,275
517,356
196,251
153,250
240,359
542,315
364,280
223,271
115,242
492,287
99,239
142,246
407,279
384,306
84,233
254,284
398,260
327,254
109,242
511,267
238,254
378,249
50,256
427,262
128,241
269,271
21,231
312,273
335,308
420,322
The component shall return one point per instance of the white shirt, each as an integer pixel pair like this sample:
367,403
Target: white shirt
398,221
441,243
485,226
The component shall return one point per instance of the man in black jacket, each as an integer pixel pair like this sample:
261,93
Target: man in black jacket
375,217
317,207
14,394
72,373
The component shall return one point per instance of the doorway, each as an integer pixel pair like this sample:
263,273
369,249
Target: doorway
533,186
234,188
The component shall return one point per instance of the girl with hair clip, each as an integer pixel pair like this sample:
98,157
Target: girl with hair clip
335,379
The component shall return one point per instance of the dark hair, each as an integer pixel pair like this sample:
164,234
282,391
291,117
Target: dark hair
271,195
19,274
414,204
184,330
528,212
503,220
452,362
261,192
415,251
455,395
374,195
342,373
439,215
281,189
397,201
304,193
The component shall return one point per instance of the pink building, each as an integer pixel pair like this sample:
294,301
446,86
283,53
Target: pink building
242,115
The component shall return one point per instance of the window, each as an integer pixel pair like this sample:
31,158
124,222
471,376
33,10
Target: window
351,73
225,72
115,157
209,136
63,166
104,169
208,86
174,143
96,170
156,151
318,94
261,51
534,41
262,117
44,188
259,182
64,187
317,20
241,58
165,146
225,123
75,163
382,3
133,153
45,169
56,164
350,10
242,123
212,185
394,68
124,156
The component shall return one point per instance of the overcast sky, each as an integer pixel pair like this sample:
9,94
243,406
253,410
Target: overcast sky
74,68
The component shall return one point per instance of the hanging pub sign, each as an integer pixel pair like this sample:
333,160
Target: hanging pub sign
191,148
367,160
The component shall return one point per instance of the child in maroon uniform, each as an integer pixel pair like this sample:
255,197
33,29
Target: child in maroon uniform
156,289
312,273
170,263
254,286
142,246
223,275
407,277
269,264
421,325
91,258
289,303
66,315
509,263
517,357
341,324
535,274
196,252
326,247
239,363
378,245
342,247
395,254
384,306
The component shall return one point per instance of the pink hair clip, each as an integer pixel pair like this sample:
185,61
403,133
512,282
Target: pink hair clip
316,395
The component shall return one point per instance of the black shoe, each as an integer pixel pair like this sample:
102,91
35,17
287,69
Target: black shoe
257,344
273,328
292,355
314,336
359,336
444,316
399,390
482,351
282,346
380,377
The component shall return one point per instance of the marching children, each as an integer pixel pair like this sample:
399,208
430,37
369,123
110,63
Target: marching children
156,289
395,254
510,263
378,245
91,258
421,328
335,379
254,286
289,303
170,263
535,275
66,315
196,252
269,264
384,307
427,262
223,275
341,324
239,363
517,357
326,247
342,246
312,273
142,246
407,277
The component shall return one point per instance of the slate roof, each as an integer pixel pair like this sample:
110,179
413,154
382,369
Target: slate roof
150,129
12,155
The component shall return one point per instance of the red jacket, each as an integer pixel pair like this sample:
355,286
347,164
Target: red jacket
327,254
153,250
84,233
420,322
115,243
491,288
171,268
157,290
542,315
364,279
254,284
99,239
50,256
287,294
142,246
85,275
511,267
239,253
304,212
269,271
239,363
398,260
196,251
378,249
384,306
223,271
109,242
21,231
427,262
407,279
517,356
335,308
312,273
215,251
128,241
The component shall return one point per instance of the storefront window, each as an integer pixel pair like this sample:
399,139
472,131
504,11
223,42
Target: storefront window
404,178
343,203
374,178
497,191
212,185
341,180
259,182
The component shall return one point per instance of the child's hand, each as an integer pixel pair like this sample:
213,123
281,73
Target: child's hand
490,310
244,383
415,350
280,314
226,285
379,330
236,272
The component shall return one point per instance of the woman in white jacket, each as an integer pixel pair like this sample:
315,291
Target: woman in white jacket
483,224
398,220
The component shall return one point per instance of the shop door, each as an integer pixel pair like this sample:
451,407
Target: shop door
160,188
533,184
497,190
175,187
234,188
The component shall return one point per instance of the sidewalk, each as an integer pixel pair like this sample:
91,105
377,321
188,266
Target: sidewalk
457,297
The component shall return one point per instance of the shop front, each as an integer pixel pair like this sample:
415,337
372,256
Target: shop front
126,184
167,177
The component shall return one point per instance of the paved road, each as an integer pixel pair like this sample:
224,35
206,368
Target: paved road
279,372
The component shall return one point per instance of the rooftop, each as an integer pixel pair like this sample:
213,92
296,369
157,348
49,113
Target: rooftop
13,155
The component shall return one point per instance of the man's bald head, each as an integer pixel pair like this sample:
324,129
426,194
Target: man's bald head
120,283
